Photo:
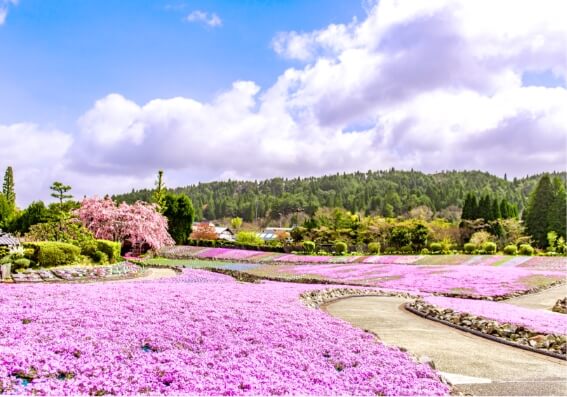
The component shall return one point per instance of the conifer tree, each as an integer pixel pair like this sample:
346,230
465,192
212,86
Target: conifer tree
8,189
537,214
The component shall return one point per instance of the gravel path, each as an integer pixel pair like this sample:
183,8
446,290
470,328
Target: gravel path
543,300
475,365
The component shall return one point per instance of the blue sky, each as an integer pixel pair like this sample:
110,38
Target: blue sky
102,94
59,56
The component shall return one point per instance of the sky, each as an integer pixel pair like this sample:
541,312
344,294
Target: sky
102,94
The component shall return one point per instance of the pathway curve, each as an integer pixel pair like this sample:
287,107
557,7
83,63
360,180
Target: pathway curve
151,274
475,365
541,300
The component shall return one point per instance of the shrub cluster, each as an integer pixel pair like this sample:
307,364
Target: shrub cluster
50,253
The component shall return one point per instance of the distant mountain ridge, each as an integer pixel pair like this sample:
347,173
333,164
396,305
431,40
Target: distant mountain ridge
390,193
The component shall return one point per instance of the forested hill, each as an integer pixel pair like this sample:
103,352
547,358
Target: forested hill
388,193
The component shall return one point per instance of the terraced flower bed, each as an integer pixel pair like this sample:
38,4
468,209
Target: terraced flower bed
79,273
243,339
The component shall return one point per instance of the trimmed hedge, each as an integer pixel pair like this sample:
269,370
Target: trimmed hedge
511,249
489,247
308,246
50,253
526,249
110,248
374,248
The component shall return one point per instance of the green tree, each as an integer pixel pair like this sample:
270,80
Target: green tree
236,223
159,194
60,192
557,216
8,187
536,217
180,214
495,210
35,213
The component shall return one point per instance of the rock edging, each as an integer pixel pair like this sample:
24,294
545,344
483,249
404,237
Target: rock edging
560,306
320,297
509,334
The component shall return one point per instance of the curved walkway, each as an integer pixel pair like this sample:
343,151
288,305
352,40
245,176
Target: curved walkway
475,365
543,300
151,274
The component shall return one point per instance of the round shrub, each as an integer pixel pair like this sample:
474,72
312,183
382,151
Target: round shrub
100,257
110,248
436,248
50,253
424,251
21,263
308,246
374,248
511,249
469,248
489,247
88,248
526,249
406,249
341,248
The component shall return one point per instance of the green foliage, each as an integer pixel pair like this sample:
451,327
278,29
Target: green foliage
424,251
308,246
21,263
526,249
551,241
469,248
341,248
546,210
8,190
100,257
159,194
436,248
60,191
35,213
511,249
180,215
374,248
489,247
110,248
47,254
388,193
236,222
64,230
3,251
250,238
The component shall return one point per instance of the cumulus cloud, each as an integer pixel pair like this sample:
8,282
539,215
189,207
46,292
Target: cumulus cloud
427,85
212,19
4,6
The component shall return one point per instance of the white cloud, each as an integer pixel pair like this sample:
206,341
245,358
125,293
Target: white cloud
4,6
212,19
430,85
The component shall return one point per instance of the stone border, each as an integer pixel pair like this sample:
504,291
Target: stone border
410,306
323,297
247,277
560,306
59,280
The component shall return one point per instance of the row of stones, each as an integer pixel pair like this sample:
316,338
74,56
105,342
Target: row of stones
560,306
555,344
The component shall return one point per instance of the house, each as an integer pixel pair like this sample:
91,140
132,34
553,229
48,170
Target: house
224,233
10,242
271,233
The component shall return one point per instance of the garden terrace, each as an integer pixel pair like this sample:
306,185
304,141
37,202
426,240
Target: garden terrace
79,273
244,339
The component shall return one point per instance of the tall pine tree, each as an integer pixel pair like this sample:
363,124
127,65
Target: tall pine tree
8,188
536,216
556,220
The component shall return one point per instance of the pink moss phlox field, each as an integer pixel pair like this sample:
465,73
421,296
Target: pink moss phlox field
535,320
535,263
202,334
474,280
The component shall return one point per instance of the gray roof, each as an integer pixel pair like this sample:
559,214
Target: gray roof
8,239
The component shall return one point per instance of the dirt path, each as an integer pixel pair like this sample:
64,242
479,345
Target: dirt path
152,274
476,365
543,300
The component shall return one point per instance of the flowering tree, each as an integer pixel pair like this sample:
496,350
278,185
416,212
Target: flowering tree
138,223
204,231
